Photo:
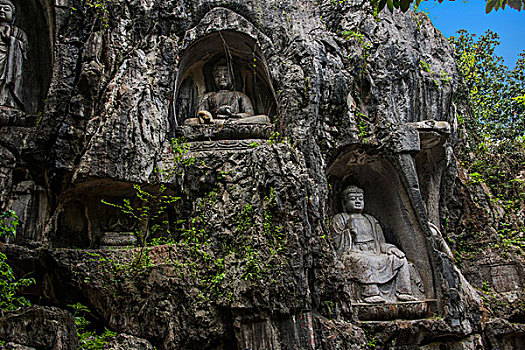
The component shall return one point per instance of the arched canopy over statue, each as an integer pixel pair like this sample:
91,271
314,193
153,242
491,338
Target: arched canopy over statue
13,46
380,269
225,105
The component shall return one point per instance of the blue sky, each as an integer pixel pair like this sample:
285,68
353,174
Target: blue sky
450,16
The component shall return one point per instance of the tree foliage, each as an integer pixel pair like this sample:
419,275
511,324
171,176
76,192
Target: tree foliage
496,94
404,5
491,98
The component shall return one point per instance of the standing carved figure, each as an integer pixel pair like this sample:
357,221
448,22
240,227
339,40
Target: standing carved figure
225,105
13,46
379,267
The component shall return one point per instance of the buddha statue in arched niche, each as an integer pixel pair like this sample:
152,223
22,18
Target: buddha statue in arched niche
13,46
225,104
380,269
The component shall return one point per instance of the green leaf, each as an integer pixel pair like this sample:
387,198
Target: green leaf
516,4
490,5
405,5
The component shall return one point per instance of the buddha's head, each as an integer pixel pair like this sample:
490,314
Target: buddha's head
221,75
7,11
353,200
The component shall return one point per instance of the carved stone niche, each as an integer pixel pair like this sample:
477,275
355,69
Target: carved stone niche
83,221
387,206
224,39
25,59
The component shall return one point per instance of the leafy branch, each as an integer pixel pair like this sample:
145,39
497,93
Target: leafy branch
404,5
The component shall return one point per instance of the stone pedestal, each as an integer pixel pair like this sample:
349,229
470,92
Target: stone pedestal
389,311
234,131
115,240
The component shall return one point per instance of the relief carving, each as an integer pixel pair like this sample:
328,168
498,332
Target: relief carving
379,269
225,105
119,232
13,46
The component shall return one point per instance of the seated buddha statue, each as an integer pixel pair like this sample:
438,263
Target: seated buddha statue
380,268
225,105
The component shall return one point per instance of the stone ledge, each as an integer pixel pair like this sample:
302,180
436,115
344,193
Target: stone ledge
226,145
39,327
17,118
389,311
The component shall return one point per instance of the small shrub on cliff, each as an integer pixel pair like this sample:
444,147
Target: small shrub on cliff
404,5
88,339
9,285
149,206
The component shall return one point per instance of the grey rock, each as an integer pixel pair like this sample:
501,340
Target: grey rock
502,334
126,341
40,327
13,346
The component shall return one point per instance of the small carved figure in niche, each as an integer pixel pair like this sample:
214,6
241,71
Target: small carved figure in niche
440,242
120,223
225,105
13,46
119,232
379,267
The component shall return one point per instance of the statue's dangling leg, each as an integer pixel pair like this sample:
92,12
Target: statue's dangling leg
403,284
371,294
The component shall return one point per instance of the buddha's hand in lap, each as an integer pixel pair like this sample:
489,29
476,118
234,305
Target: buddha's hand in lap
394,251
224,110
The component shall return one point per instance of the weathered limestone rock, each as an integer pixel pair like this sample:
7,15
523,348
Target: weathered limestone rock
243,256
126,341
40,327
13,346
504,335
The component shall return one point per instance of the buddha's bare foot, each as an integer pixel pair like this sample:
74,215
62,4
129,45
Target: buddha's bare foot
405,297
376,299
205,117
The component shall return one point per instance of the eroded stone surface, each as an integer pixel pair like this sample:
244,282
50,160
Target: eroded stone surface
13,346
126,341
353,103
40,327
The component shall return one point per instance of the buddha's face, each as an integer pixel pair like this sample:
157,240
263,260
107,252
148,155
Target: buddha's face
354,202
221,76
6,13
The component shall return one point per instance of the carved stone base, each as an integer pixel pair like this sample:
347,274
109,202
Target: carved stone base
389,311
115,240
227,145
225,132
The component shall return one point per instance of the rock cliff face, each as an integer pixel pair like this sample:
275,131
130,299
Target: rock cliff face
237,217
